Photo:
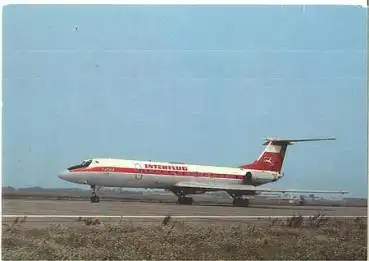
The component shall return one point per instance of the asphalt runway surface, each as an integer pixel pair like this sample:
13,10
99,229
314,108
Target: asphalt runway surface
46,213
121,208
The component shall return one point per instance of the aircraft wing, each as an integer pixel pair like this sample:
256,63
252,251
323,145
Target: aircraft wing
241,189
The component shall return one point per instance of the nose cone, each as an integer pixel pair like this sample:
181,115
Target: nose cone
72,177
64,175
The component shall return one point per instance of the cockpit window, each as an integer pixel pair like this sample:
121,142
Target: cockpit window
84,164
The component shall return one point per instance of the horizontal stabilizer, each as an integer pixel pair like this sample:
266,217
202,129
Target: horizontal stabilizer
291,141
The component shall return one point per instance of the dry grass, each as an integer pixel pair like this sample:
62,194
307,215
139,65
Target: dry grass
295,238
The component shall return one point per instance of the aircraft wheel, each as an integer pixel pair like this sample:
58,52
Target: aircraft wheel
302,201
95,199
185,201
239,202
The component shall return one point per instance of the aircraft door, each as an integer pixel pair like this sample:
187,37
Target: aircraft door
138,175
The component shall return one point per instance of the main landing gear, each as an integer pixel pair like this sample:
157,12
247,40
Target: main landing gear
185,200
240,202
182,199
94,198
302,201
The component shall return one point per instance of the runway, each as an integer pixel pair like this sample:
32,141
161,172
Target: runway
121,208
68,235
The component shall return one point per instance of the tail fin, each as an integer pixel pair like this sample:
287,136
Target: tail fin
272,157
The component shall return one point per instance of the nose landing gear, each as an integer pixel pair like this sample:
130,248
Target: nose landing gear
94,198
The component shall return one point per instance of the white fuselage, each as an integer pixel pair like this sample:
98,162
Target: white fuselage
160,175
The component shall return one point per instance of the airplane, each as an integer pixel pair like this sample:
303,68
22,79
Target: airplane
188,179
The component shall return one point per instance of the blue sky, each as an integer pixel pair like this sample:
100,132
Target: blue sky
202,85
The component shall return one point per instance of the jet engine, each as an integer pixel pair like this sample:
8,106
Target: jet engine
258,177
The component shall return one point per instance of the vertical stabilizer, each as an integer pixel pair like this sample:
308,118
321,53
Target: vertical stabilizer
272,158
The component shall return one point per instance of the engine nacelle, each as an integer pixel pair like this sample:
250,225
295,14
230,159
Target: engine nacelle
259,177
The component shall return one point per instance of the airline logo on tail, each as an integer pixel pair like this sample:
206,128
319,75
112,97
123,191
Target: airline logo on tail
269,160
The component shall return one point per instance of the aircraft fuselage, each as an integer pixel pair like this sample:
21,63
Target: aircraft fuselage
159,175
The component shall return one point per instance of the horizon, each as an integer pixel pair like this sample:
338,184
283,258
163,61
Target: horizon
192,84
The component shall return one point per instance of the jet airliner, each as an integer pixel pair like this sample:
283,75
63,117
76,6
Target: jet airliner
188,179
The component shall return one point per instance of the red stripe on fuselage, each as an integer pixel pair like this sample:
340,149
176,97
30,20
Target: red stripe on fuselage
159,172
